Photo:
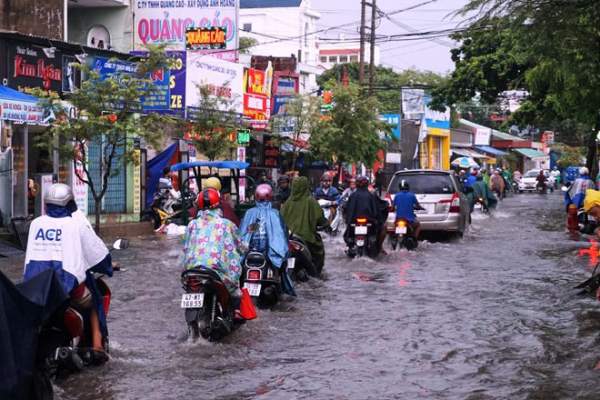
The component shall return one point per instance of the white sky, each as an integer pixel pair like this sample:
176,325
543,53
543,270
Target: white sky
428,54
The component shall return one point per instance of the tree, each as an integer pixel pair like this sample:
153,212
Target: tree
246,43
387,82
352,131
550,48
301,116
109,115
214,124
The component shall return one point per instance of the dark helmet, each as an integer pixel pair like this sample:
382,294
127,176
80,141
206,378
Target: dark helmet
362,181
264,192
208,198
404,185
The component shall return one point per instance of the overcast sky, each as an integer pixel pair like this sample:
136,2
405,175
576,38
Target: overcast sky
428,54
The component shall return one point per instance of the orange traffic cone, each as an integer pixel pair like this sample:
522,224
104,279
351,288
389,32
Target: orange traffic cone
247,309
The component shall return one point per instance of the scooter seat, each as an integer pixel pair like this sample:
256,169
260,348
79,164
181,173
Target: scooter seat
202,271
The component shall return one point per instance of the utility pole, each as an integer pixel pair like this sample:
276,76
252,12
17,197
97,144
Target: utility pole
361,62
372,56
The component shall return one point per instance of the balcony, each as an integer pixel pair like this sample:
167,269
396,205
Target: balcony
97,3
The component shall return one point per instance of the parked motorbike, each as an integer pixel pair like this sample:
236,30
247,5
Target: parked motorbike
209,311
403,234
300,265
363,239
330,210
262,280
168,206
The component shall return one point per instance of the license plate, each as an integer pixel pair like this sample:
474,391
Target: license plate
192,300
360,243
253,288
291,263
401,230
360,230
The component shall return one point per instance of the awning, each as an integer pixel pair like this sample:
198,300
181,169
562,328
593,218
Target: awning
19,107
531,153
468,153
491,150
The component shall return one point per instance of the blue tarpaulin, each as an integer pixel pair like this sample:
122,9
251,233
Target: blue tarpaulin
491,150
212,164
154,170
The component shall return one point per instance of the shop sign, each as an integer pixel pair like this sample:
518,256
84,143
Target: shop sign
20,111
256,83
243,137
30,68
285,85
257,110
223,78
483,136
205,38
80,188
137,187
271,152
71,74
394,121
169,22
158,100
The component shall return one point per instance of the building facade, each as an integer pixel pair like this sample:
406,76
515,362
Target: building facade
45,18
340,51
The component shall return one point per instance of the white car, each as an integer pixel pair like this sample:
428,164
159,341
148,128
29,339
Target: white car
528,182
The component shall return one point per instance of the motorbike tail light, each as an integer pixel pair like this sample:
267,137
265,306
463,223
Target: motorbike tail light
192,283
401,223
269,273
295,246
361,221
73,323
253,275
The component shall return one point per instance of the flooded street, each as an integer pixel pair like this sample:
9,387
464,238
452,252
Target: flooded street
489,316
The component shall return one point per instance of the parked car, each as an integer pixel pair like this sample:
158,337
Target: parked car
447,209
529,181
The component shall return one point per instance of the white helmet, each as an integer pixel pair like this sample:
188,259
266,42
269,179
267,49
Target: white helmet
58,194
583,171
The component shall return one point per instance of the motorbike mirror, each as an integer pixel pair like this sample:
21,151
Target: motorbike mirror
564,189
120,244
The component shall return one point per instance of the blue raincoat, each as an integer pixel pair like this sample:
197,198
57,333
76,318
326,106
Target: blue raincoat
270,237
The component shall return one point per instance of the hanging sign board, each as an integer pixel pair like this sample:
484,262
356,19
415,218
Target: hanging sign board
206,38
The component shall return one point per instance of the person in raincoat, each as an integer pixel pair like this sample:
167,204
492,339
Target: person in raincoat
482,191
265,231
577,191
213,242
302,214
591,205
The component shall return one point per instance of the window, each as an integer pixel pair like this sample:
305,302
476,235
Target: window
247,27
343,59
306,34
424,183
323,58
333,59
353,58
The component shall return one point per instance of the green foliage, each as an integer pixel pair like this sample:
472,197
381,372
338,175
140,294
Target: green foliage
352,133
246,43
105,112
570,155
387,82
213,125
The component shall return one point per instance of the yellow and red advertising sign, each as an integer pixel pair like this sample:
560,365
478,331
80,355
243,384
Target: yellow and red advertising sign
205,38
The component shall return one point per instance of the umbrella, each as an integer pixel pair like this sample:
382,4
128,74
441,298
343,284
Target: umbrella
465,162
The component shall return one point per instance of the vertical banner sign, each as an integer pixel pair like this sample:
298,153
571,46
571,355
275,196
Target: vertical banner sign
241,156
137,187
214,21
80,188
45,182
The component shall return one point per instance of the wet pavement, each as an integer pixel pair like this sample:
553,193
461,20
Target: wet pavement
489,316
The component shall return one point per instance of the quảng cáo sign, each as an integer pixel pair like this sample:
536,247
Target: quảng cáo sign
206,38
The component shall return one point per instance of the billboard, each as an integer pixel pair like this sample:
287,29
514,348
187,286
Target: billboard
413,103
225,80
168,21
205,38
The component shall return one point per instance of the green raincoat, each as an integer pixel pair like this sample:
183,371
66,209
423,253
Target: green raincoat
481,190
302,214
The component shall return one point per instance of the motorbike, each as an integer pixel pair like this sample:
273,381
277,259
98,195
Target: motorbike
262,280
300,265
402,234
363,239
541,188
332,214
587,223
168,206
591,285
481,206
207,305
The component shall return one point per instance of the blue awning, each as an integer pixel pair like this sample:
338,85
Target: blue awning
212,164
491,150
7,93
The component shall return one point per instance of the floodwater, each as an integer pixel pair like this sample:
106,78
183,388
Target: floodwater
489,316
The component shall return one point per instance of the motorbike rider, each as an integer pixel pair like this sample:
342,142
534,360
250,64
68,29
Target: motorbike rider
302,215
471,178
213,242
497,184
362,203
541,180
165,185
481,191
347,193
555,174
591,205
326,191
264,230
283,190
227,210
68,245
405,204
577,191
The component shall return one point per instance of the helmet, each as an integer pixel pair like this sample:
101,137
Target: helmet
404,185
213,182
58,194
208,198
264,192
325,177
362,181
583,171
